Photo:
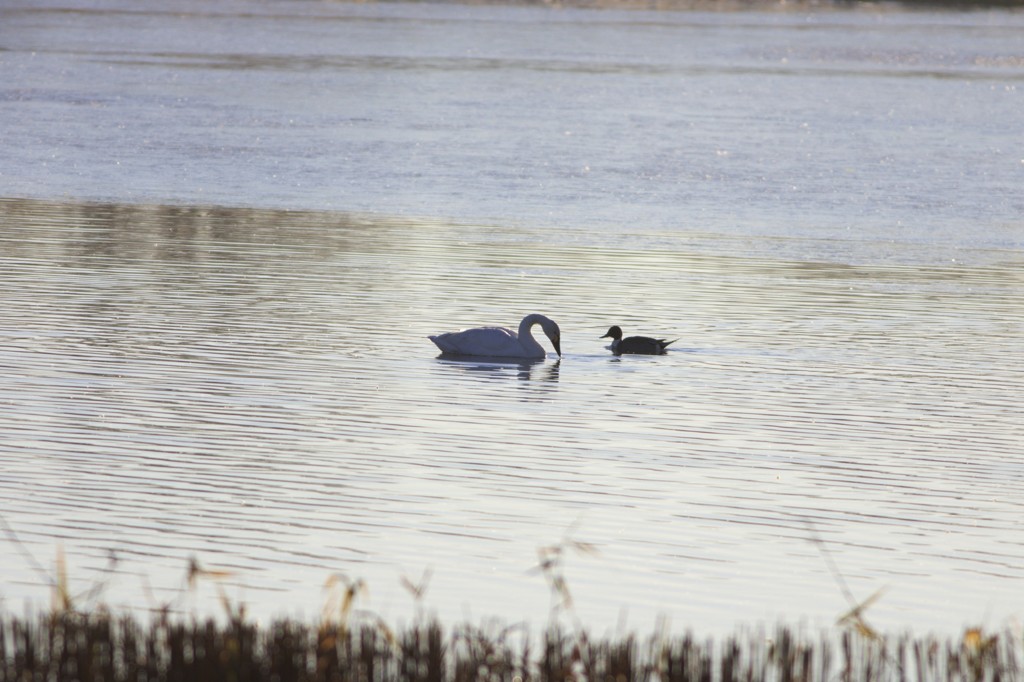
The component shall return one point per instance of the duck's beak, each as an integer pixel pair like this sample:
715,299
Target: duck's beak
556,342
604,336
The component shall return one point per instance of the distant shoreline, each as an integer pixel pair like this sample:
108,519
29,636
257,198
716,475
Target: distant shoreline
754,5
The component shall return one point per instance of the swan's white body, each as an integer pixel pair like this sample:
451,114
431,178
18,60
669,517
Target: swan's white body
501,342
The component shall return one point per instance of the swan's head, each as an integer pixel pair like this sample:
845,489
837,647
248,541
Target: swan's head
614,332
552,331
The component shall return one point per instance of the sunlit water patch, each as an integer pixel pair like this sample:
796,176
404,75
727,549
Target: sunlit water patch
255,389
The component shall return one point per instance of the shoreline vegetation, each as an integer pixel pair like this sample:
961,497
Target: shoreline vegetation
62,646
81,639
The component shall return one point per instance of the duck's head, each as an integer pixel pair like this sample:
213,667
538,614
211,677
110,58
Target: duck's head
614,332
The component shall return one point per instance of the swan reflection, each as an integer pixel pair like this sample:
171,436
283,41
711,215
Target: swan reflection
500,369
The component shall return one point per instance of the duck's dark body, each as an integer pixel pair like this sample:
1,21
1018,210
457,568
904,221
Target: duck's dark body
636,345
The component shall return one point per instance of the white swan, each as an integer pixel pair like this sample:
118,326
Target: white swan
501,342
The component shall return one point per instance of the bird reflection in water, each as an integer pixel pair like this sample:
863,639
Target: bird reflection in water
500,369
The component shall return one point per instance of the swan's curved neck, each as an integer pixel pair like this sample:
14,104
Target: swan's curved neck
526,339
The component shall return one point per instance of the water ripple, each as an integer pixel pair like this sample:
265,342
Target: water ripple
256,388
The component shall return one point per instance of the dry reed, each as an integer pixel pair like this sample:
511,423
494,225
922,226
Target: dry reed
80,640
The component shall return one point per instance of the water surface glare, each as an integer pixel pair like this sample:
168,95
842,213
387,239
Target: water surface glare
255,388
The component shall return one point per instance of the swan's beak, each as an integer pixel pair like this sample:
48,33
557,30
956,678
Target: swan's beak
556,342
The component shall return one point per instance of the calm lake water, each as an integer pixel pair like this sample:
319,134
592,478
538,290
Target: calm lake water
227,229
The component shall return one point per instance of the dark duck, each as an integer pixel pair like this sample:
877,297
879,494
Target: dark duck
635,345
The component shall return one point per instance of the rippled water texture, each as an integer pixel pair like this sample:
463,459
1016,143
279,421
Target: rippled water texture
229,230
255,388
